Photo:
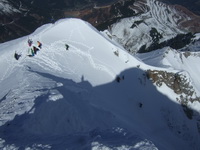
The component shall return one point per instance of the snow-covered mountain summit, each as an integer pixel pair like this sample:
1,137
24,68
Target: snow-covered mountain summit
92,96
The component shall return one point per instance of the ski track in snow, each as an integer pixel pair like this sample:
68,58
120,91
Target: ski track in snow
92,62
75,50
85,53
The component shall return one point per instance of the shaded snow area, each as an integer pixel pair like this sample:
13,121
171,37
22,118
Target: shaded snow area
70,99
7,8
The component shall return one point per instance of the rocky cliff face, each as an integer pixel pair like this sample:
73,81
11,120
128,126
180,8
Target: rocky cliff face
180,83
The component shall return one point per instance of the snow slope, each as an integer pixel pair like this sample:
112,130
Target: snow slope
69,99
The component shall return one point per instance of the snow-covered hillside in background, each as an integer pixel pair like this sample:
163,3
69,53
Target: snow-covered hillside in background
7,8
70,99
154,22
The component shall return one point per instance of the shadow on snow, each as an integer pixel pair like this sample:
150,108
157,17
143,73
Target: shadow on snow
114,114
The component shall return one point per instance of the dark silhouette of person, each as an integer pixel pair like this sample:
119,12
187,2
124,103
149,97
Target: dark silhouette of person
17,56
66,46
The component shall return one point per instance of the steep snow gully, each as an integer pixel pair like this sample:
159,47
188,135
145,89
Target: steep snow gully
69,99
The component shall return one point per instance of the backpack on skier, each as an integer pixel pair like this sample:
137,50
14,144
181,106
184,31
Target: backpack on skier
39,44
17,56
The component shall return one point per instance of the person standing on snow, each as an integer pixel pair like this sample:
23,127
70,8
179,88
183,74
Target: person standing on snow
17,56
30,42
30,52
35,49
52,20
39,44
118,79
66,46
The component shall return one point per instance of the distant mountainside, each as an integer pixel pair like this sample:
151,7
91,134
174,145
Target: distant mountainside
155,25
22,17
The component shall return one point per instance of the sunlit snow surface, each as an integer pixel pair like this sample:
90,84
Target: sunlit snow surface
69,99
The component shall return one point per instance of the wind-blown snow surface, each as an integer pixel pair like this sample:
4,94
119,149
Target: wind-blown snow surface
69,99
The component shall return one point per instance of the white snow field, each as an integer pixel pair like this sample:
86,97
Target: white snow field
69,99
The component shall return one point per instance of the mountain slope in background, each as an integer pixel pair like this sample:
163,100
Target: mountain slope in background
94,95
158,25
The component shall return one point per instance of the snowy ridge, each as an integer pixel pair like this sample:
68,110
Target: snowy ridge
70,99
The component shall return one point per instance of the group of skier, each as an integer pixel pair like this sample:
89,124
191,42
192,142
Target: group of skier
32,50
